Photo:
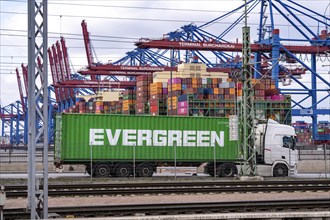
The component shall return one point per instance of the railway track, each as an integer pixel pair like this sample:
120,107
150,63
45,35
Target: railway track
266,206
175,188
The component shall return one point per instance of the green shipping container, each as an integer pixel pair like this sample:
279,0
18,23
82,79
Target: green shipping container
120,138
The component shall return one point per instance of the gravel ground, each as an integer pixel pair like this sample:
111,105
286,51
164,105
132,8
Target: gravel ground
150,199
317,166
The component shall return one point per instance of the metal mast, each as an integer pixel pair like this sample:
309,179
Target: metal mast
37,112
247,113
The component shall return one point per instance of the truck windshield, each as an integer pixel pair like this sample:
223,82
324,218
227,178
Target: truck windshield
289,142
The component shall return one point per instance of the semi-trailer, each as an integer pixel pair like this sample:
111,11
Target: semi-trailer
125,145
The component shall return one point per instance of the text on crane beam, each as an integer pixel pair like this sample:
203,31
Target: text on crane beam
206,45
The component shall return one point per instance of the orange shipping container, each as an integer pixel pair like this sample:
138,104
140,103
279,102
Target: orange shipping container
128,102
175,87
156,85
216,91
231,91
156,90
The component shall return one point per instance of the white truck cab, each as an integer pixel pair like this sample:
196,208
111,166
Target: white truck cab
275,146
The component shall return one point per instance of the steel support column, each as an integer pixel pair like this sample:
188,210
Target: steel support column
275,55
37,112
314,96
247,130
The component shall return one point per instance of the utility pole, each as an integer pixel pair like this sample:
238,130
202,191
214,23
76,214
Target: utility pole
37,112
247,130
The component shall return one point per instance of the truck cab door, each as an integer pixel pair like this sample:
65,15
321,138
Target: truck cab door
289,152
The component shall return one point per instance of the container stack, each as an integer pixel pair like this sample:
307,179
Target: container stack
210,97
81,106
90,107
98,107
157,101
129,100
323,127
174,87
142,94
303,132
113,107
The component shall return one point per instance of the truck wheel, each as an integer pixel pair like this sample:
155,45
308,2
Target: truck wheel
280,170
145,170
123,170
227,170
102,170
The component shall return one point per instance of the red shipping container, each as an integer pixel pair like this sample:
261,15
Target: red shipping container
140,104
154,108
142,83
143,78
156,96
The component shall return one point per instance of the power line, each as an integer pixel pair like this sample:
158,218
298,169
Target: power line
141,19
133,7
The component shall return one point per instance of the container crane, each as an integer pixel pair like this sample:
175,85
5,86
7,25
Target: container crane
272,48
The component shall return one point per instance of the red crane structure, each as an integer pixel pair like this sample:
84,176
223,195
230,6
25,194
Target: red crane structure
58,73
88,48
25,78
54,76
227,47
67,65
20,89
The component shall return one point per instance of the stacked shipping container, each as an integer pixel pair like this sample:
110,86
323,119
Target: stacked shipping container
194,97
304,131
142,94
129,99
157,101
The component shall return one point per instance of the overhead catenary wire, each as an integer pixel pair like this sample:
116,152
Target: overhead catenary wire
138,19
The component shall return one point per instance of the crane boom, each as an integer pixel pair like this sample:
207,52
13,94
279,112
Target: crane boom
95,84
66,64
230,47
62,68
57,72
20,90
53,71
25,78
88,48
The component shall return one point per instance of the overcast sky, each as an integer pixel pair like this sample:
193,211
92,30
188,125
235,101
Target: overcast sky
115,25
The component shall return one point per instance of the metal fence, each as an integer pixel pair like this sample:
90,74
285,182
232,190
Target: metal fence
318,154
21,156
9,156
